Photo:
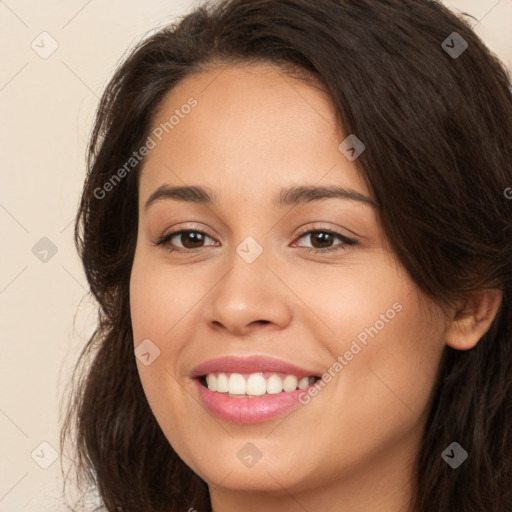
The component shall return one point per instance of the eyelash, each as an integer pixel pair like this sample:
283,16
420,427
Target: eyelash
164,241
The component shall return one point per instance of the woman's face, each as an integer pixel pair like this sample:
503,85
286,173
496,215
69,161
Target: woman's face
251,286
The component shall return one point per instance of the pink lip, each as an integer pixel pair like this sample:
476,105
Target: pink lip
249,409
230,364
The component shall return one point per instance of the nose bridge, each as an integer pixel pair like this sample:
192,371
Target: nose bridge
249,291
249,280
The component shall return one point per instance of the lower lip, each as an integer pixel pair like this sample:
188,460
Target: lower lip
249,409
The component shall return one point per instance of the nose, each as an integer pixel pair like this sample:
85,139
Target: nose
249,296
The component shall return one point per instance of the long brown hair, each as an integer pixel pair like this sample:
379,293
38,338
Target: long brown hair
437,127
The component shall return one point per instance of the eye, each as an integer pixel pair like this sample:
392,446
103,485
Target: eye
186,240
322,240
190,239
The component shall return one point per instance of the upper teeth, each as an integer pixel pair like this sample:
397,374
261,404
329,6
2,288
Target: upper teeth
255,384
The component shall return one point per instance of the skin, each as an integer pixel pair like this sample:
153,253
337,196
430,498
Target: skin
253,132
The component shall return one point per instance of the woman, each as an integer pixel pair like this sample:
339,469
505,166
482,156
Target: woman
296,228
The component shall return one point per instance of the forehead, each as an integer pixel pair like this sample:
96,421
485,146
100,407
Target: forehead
252,126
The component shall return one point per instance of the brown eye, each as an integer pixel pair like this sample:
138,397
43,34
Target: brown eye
189,239
322,240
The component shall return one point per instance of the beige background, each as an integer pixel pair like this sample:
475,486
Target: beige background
47,107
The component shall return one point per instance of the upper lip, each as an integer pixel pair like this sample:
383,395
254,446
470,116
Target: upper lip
253,364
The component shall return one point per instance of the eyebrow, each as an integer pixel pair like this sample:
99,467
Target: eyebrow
287,197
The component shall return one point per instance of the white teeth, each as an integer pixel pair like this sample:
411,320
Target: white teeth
256,385
236,384
211,381
290,383
303,383
274,385
222,383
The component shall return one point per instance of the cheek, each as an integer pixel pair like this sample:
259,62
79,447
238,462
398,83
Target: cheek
392,361
385,349
356,302
158,301
159,298
380,397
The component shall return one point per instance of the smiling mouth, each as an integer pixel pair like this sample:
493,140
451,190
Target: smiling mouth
255,384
